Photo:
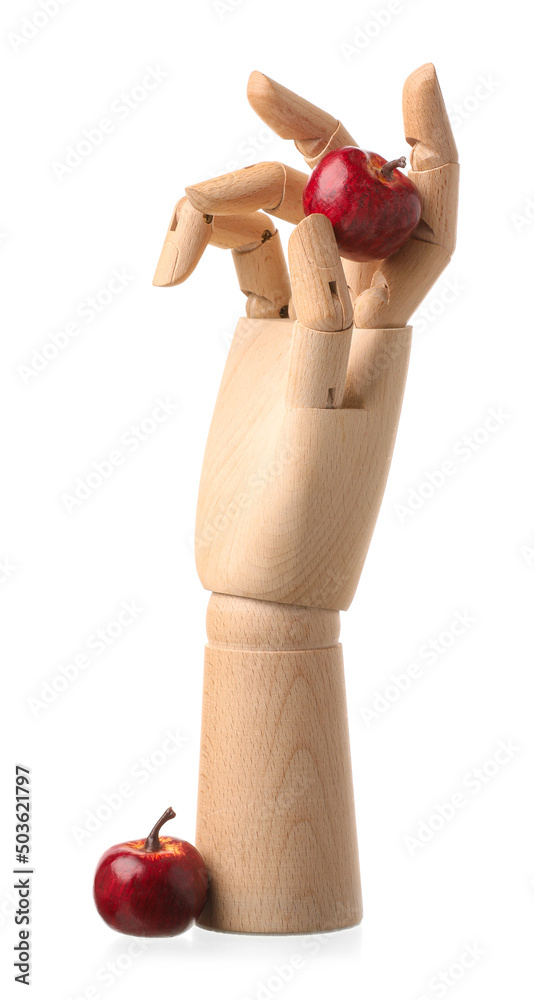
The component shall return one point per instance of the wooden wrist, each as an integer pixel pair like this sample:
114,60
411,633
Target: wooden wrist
243,623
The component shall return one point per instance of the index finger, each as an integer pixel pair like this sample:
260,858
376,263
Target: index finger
313,130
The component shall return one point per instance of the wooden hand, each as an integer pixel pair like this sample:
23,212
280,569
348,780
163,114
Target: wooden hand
268,527
294,472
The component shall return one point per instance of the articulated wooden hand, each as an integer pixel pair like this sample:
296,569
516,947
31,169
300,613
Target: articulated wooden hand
294,472
289,496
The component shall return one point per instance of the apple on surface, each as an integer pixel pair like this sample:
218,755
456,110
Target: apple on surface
151,888
372,206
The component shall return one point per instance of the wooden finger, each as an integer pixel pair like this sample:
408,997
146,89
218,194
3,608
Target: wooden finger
247,231
271,186
258,307
439,193
262,274
358,275
322,333
426,122
187,237
376,373
434,157
401,285
314,131
320,294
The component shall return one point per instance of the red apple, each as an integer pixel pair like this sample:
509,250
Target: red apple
371,205
151,888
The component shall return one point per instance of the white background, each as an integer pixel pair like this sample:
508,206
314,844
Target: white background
468,548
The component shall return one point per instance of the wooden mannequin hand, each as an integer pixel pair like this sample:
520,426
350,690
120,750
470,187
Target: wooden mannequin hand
304,426
295,467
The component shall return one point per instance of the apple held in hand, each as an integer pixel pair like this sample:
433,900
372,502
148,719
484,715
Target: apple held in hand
151,888
371,205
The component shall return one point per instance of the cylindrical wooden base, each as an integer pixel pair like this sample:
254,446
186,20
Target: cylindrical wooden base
275,820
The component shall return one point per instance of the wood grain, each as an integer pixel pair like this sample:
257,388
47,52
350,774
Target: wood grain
289,496
321,298
275,820
314,131
274,187
317,367
439,190
405,279
263,272
187,237
426,122
246,231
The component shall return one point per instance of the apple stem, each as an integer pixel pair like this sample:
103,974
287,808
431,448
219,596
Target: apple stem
152,842
392,165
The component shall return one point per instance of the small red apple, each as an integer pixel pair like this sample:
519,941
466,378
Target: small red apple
371,205
151,888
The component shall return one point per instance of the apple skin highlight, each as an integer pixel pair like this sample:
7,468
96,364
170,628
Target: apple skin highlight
373,212
154,892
